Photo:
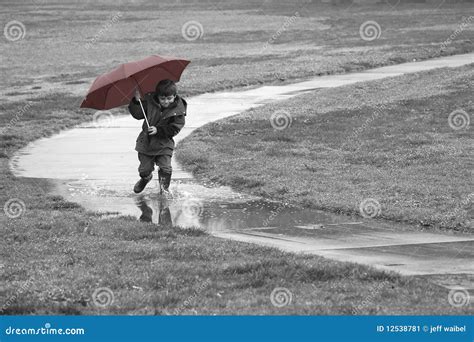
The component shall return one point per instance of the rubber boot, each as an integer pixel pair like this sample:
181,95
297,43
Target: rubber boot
141,184
165,180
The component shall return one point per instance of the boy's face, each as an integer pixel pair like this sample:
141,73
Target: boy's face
165,101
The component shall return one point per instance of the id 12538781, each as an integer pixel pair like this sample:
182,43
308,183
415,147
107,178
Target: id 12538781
398,328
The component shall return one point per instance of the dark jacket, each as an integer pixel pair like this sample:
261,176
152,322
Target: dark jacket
168,122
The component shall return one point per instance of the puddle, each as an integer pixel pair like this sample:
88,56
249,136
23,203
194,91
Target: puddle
95,165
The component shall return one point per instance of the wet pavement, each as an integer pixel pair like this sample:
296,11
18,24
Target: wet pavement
95,165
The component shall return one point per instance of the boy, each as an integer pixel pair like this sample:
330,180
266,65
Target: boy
165,111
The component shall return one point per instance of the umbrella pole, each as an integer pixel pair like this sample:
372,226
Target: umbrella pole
141,105
144,114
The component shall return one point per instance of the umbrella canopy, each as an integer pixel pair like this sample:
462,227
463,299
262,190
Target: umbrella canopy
117,87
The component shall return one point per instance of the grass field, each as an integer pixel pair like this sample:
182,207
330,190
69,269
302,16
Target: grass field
389,140
270,41
56,255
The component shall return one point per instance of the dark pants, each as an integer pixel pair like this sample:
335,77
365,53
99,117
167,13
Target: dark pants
147,164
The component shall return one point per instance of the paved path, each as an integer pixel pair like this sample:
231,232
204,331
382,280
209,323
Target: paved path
95,165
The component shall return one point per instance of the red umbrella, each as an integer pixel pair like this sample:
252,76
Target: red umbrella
117,87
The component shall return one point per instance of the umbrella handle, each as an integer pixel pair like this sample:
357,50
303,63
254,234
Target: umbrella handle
144,114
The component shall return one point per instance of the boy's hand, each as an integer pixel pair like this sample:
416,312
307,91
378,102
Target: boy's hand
152,130
137,95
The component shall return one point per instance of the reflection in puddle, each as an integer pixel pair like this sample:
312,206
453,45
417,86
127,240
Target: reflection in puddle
188,211
157,210
147,212
183,211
